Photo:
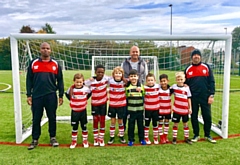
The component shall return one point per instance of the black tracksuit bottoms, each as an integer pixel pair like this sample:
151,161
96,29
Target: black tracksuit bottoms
49,103
132,117
201,101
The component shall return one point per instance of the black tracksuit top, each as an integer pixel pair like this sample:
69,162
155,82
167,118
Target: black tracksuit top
200,79
44,77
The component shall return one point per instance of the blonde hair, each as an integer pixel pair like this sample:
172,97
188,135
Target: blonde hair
179,74
118,69
78,76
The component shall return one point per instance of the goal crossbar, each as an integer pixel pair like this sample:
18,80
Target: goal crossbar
120,37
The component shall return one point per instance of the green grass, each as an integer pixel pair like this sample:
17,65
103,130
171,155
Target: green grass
226,151
201,153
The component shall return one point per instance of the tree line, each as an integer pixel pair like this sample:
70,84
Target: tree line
5,52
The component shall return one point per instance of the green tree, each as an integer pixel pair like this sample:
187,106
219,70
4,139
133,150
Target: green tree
5,54
48,29
236,38
27,29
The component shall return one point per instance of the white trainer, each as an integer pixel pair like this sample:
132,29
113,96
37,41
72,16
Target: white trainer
96,142
73,144
148,141
101,143
85,144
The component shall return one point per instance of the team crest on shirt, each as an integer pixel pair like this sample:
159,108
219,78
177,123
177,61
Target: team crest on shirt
190,73
54,68
94,88
204,71
35,67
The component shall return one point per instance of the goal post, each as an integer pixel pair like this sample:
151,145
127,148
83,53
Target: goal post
78,53
62,64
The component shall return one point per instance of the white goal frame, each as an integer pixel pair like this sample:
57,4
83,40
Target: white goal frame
20,136
155,62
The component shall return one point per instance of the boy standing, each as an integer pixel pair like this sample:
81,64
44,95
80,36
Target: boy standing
165,108
182,107
117,103
99,100
135,108
78,95
151,105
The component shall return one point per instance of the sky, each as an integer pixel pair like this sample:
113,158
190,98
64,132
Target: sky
121,17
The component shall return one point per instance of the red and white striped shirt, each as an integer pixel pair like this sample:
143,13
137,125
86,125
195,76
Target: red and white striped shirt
165,102
117,96
151,98
99,90
78,102
181,95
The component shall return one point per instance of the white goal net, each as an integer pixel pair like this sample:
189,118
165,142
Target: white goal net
80,53
110,62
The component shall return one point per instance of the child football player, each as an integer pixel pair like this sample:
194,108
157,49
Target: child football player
165,109
135,108
117,103
78,95
181,107
151,105
98,87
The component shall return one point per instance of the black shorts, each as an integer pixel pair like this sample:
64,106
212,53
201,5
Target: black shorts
151,114
176,118
161,117
77,117
99,110
116,111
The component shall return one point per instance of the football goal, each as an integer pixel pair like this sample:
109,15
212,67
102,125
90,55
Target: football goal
110,62
80,53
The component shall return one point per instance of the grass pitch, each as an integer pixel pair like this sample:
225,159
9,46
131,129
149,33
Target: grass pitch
226,151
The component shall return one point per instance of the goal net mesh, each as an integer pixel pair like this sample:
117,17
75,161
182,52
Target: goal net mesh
165,56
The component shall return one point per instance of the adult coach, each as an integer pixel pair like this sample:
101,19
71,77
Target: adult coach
200,79
137,63
44,78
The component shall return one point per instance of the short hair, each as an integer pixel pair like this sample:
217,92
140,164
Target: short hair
99,66
162,76
150,75
78,76
45,43
118,69
179,74
133,72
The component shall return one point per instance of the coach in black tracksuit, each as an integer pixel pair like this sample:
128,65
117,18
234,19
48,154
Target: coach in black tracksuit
200,79
44,78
